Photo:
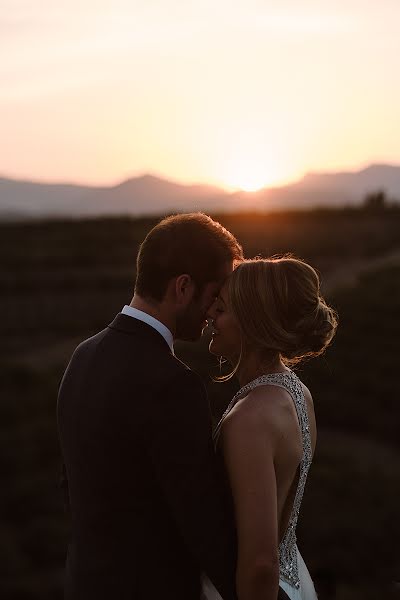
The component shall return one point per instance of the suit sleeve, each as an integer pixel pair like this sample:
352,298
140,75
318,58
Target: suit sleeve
179,441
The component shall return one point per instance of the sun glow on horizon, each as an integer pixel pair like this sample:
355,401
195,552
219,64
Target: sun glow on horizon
252,172
249,182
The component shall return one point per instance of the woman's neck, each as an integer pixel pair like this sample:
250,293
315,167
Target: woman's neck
254,367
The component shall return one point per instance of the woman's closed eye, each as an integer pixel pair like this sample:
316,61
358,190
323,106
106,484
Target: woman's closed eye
219,309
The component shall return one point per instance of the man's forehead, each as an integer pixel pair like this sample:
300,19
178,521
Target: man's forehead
215,286
222,278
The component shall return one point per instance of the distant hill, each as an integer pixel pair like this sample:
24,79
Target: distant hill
333,189
147,195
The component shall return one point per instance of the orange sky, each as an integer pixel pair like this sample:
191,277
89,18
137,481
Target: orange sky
241,94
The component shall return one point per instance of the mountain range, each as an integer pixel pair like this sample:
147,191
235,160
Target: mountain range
149,195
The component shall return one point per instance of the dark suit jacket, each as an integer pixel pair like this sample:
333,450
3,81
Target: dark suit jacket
149,509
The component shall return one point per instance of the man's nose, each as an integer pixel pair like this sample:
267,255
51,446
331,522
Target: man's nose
211,313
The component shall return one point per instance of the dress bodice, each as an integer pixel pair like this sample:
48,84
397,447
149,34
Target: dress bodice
288,560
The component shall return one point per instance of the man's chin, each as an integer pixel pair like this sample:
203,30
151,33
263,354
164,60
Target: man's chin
190,336
192,333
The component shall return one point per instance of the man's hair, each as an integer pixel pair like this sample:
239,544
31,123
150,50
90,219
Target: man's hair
190,243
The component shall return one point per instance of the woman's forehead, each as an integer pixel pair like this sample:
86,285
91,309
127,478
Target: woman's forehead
223,294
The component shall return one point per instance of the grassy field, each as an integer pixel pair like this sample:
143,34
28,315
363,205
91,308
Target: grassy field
60,281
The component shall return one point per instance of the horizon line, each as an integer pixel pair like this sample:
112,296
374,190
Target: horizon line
174,181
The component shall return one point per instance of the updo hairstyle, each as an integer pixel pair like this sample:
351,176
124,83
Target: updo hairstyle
280,310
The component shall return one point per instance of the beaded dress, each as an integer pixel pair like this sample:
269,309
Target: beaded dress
294,577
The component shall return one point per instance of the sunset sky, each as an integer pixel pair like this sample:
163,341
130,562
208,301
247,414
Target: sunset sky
235,93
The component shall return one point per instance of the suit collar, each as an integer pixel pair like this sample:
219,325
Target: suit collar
132,326
152,321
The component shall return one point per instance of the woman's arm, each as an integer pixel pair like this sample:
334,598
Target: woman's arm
249,445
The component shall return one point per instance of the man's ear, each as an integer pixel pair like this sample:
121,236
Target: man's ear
184,288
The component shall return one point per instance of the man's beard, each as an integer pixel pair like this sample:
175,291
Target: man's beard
190,324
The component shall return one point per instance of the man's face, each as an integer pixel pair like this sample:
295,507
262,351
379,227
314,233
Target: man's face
193,320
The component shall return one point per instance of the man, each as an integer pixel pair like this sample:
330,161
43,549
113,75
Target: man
149,511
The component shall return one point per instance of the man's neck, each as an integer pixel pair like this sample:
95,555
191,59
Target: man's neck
155,310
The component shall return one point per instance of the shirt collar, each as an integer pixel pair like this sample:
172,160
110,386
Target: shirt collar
155,323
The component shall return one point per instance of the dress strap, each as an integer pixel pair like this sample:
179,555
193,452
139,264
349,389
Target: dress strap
288,381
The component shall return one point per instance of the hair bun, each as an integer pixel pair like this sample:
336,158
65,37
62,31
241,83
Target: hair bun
317,329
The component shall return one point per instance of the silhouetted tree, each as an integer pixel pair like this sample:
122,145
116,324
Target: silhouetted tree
376,200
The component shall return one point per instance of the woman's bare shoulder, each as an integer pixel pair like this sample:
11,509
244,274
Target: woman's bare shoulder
263,409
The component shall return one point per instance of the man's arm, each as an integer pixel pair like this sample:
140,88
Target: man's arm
180,445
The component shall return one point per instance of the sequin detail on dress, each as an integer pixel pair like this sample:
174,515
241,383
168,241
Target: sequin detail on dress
288,566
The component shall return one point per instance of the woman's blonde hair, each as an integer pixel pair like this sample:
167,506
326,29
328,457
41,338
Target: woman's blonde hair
280,310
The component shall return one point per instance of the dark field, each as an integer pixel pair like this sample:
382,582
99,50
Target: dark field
62,281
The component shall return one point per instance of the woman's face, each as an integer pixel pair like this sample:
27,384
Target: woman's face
226,338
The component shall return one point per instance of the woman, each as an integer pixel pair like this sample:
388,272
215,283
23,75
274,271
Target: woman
270,315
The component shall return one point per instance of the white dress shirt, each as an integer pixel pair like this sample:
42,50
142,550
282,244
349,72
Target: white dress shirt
155,323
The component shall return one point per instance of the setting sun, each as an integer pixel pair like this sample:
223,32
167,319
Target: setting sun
249,181
251,172
251,158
